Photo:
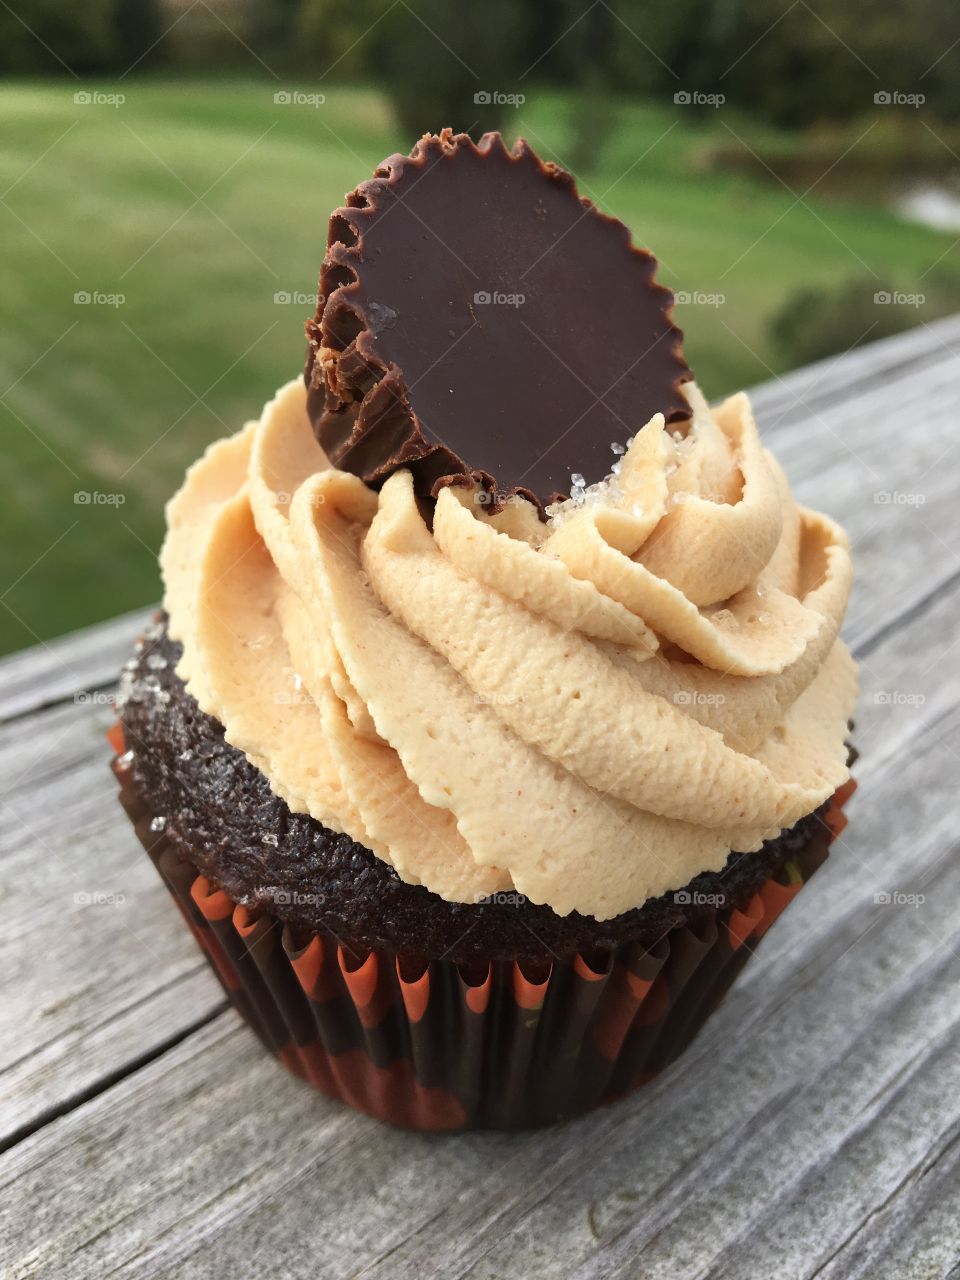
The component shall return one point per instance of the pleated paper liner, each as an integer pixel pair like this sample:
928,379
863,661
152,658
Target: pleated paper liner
439,1046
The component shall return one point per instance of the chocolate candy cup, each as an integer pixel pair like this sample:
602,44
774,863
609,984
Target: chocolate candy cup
480,321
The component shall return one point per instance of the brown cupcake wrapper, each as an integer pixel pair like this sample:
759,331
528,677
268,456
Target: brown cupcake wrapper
431,1045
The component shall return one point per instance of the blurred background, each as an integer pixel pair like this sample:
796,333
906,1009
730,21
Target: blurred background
167,168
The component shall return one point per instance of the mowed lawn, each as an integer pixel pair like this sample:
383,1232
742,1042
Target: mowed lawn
188,209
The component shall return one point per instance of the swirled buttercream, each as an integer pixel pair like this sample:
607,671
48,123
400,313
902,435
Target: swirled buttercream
589,711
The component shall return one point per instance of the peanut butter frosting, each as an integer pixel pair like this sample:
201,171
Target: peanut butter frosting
588,711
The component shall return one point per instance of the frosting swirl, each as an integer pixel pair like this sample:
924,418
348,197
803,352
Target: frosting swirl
589,712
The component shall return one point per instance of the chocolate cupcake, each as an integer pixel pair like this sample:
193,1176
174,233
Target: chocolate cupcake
477,772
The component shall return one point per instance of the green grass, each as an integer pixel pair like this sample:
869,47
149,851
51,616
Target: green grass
117,400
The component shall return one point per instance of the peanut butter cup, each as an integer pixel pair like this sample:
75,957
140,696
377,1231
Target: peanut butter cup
481,321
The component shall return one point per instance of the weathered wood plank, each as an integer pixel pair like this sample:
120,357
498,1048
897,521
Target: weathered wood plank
98,969
914,1233
804,393
51,672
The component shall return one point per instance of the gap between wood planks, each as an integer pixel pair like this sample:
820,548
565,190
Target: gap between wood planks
109,1080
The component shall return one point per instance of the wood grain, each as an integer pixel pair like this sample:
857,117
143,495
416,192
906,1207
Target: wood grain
812,1130
56,671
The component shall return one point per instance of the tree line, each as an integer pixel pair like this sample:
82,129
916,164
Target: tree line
789,63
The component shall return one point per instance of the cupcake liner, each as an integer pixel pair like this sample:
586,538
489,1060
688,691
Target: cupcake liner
436,1046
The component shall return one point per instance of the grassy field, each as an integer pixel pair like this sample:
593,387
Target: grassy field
200,204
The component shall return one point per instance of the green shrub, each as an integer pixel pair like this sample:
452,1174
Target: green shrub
815,323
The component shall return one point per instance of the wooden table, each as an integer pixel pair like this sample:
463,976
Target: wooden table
812,1130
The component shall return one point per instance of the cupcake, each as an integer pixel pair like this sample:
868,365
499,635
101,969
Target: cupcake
497,706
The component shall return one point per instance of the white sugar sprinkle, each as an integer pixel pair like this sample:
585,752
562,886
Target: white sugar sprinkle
124,689
724,618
